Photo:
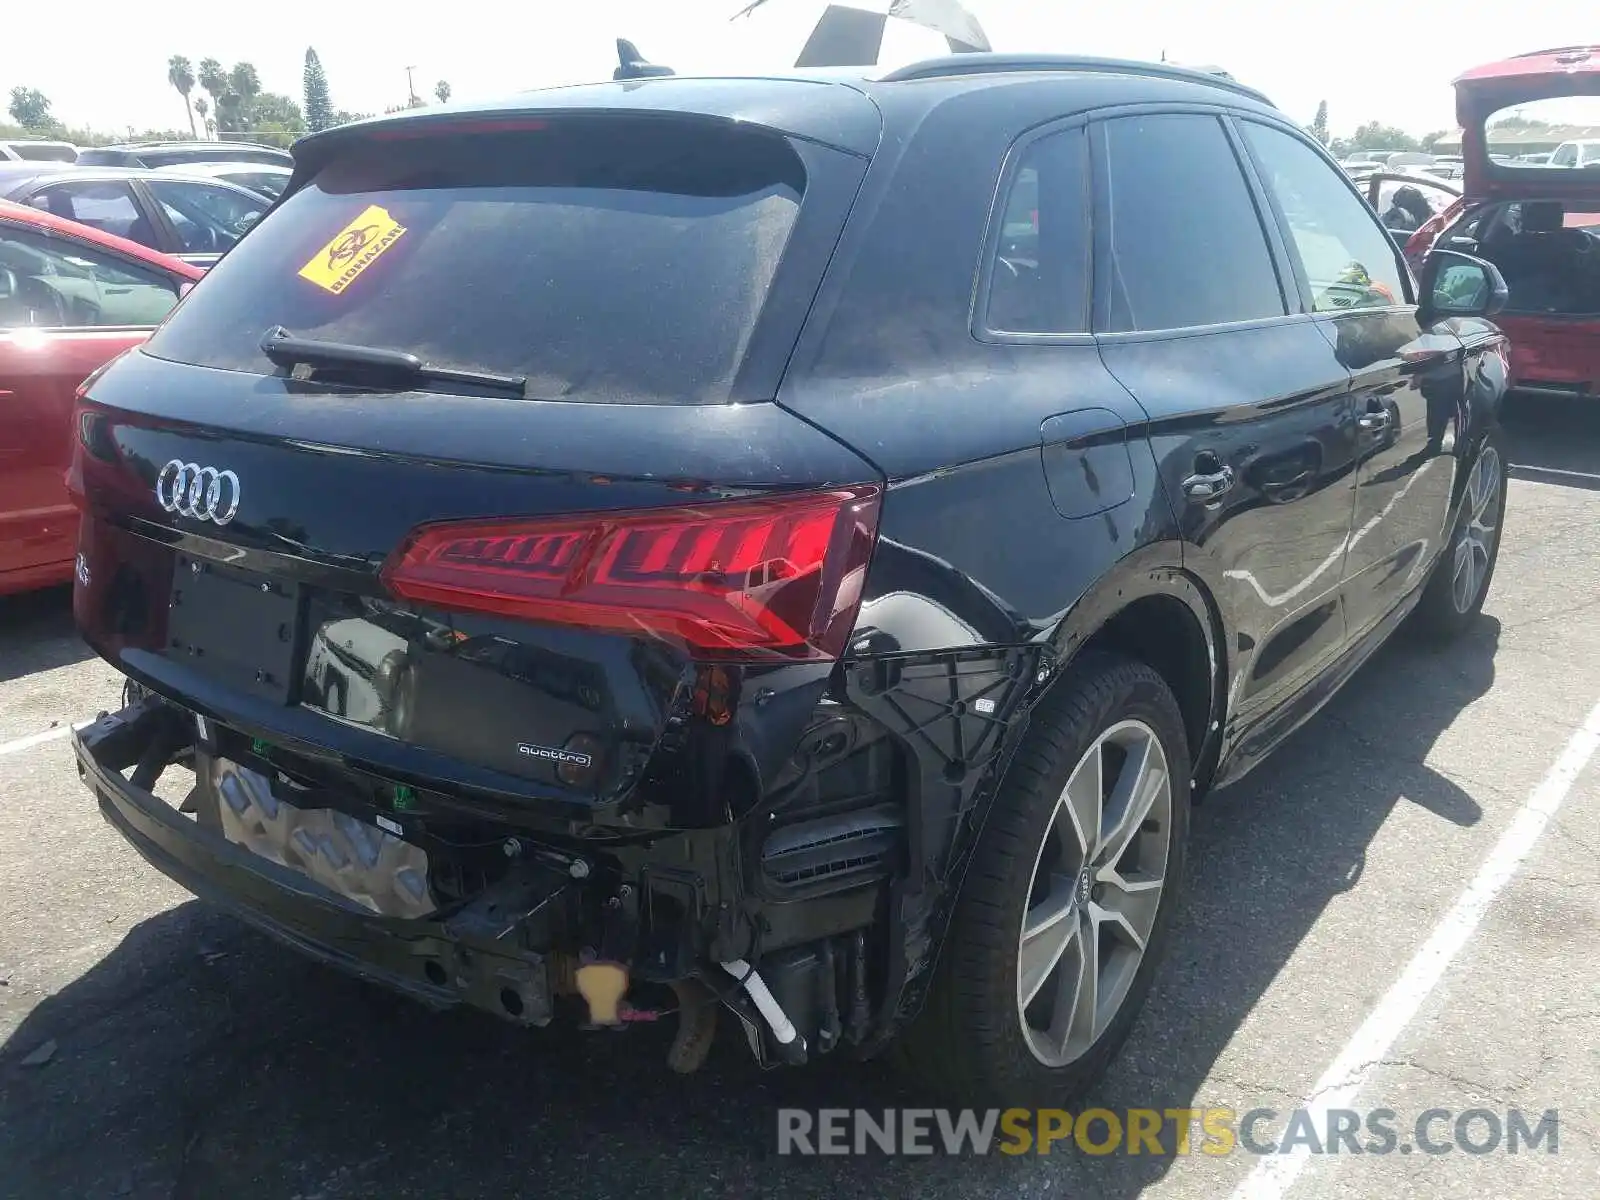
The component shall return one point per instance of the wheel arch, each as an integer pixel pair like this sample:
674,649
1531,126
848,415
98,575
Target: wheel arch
1151,610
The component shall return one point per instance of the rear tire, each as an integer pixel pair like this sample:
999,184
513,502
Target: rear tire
1002,1025
1454,594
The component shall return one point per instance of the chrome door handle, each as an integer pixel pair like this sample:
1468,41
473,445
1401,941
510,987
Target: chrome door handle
1202,489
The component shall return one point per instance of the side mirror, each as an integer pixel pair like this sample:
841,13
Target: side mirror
1458,285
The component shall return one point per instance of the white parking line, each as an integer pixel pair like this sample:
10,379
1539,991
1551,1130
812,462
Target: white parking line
1583,479
38,739
1350,1071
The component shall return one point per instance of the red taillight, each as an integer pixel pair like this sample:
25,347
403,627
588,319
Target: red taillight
777,576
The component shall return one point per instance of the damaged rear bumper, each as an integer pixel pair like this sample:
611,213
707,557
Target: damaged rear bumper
464,956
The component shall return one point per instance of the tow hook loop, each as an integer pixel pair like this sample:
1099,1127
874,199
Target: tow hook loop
602,985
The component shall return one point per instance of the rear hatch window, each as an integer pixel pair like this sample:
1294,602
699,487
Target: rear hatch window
44,152
606,259
1526,124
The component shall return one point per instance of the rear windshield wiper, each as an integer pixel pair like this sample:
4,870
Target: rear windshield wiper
283,348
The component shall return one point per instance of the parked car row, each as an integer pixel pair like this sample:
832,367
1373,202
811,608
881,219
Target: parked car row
193,199
193,218
144,154
174,154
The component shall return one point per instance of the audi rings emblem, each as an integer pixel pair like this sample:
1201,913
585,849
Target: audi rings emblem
203,493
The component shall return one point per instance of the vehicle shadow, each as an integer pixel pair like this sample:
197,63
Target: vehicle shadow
1553,439
199,1059
37,633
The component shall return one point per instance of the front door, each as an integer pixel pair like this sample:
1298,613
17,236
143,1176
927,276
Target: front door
1250,413
1407,380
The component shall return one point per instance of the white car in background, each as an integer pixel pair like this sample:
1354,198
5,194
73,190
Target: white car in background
1583,153
32,150
267,179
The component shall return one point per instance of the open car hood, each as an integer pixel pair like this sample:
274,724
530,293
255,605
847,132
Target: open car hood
1486,90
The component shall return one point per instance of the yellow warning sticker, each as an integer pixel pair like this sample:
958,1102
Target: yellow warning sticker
353,249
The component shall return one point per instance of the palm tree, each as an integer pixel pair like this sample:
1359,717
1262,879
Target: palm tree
181,76
201,107
215,81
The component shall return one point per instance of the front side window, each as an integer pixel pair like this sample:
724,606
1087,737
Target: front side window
1348,259
1040,277
1187,245
208,219
57,283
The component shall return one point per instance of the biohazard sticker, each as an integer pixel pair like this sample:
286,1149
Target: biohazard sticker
353,249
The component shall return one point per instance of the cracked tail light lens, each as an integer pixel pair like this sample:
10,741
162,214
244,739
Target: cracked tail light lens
774,577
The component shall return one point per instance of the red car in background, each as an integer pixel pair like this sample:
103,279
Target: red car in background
71,299
1539,224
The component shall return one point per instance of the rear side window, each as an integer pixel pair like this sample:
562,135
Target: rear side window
95,157
108,206
1348,259
1187,247
44,152
605,259
1039,280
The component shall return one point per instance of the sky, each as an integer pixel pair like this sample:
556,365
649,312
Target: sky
1390,62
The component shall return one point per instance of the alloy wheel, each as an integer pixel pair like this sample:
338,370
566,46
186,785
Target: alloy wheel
1476,542
1095,893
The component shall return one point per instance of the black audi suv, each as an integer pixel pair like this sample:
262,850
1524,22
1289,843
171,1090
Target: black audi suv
787,548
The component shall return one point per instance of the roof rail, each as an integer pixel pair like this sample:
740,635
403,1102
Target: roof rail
986,62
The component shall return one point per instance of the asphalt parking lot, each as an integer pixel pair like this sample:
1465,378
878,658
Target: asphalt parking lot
152,1047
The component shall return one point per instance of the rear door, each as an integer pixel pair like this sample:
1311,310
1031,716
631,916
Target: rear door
65,308
1407,379
1251,419
108,205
